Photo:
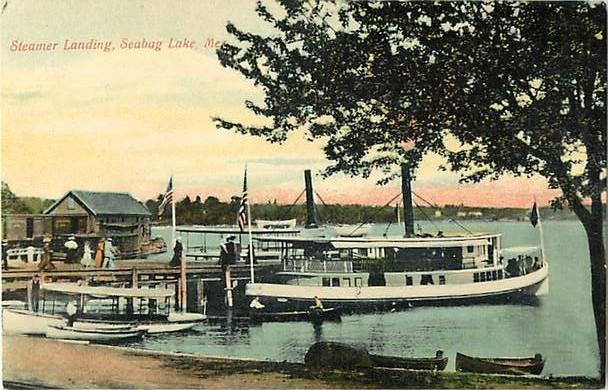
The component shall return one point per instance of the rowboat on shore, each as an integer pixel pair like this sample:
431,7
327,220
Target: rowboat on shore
439,362
315,315
95,335
510,366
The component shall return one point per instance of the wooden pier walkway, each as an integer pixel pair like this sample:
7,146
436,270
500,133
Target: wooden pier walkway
129,272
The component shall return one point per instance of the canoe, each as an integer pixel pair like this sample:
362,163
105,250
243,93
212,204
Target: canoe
510,366
149,326
101,335
314,315
439,362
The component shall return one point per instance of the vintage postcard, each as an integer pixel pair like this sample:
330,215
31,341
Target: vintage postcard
318,194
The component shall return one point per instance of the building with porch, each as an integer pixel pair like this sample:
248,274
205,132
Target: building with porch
92,215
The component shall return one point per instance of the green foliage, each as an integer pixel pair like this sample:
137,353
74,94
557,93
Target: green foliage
12,204
215,212
495,88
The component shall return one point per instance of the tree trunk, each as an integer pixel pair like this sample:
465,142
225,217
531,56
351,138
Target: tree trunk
597,254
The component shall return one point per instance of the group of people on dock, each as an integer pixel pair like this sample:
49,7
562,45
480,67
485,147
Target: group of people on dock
104,256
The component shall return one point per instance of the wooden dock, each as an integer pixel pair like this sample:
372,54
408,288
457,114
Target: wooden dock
128,272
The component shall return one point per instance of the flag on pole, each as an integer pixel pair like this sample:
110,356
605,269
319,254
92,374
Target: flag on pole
534,215
242,217
167,198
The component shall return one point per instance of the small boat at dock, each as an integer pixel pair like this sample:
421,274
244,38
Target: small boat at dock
94,335
315,315
27,322
437,363
509,366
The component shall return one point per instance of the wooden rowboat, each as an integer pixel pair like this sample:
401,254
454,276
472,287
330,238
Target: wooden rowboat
510,366
314,315
101,335
439,362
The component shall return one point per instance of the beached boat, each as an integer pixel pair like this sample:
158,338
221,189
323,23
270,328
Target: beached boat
439,362
510,366
94,335
314,315
148,309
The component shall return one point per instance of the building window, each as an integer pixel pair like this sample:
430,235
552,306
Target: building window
483,277
494,275
358,282
441,279
335,282
426,279
346,282
325,282
470,249
71,204
476,277
499,274
409,281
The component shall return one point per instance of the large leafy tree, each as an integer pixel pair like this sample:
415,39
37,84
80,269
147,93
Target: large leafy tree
494,88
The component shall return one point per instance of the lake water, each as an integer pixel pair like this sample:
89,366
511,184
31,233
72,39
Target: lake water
560,325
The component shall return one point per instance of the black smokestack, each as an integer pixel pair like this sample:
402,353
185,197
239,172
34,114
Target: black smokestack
311,213
408,210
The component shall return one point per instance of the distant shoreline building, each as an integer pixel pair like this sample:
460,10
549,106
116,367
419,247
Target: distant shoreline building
88,215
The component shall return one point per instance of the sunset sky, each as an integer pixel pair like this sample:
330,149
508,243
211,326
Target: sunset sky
125,119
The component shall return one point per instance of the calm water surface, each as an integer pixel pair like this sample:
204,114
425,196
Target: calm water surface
559,325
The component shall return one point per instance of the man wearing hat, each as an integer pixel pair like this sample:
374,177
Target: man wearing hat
71,250
46,264
109,253
177,253
228,252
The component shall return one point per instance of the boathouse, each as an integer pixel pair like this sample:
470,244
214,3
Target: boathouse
88,214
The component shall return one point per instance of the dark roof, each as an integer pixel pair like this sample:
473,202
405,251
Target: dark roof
104,203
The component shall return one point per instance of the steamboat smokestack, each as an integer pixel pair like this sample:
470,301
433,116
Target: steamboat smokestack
406,190
311,213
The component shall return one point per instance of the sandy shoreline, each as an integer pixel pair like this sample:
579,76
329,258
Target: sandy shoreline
42,362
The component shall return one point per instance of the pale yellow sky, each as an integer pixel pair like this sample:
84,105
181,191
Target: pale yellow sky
123,120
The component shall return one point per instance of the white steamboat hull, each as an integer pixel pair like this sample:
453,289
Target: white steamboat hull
28,322
534,284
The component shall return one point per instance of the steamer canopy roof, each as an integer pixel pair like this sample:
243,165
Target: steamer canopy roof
105,203
388,242
74,288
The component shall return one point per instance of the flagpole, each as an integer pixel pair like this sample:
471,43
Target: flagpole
540,231
172,211
250,242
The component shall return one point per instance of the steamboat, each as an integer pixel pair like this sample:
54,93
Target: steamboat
368,273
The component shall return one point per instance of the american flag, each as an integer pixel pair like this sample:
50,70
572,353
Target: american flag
167,198
241,217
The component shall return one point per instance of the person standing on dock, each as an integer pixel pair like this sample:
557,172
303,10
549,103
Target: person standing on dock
177,253
109,254
35,292
87,259
4,255
46,264
71,250
99,253
228,252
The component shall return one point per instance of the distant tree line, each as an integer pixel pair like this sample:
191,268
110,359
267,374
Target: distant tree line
13,204
213,211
